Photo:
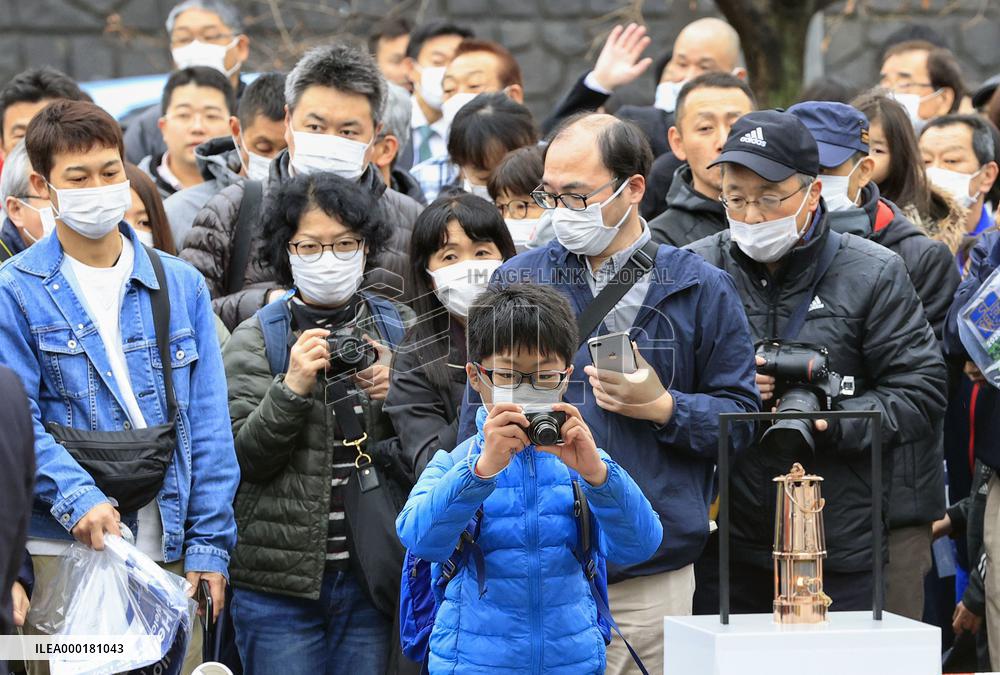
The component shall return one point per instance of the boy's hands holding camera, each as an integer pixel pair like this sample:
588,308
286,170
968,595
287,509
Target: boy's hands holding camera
578,450
504,437
308,357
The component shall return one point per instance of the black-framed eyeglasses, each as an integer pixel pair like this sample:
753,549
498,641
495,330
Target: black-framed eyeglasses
30,197
310,250
573,201
212,37
766,204
505,378
516,209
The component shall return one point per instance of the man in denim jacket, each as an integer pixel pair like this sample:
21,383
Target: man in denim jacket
76,325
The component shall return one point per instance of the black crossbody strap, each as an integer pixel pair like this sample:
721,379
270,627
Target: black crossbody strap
638,265
160,301
823,262
239,258
343,409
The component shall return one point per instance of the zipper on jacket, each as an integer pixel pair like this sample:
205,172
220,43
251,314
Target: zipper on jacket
534,571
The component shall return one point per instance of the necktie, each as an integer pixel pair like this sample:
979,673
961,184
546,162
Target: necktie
424,149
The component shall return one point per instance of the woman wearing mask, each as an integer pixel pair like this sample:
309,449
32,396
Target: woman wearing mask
146,215
510,185
458,242
899,170
484,131
307,376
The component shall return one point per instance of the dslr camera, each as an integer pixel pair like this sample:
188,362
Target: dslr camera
803,383
545,428
349,354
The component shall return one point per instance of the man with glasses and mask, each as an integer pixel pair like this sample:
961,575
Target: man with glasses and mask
28,214
925,79
960,157
802,282
334,102
201,33
691,345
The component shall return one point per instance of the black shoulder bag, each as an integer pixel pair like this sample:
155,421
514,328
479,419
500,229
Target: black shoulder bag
253,195
129,466
638,265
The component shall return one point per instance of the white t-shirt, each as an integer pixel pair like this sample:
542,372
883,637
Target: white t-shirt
103,290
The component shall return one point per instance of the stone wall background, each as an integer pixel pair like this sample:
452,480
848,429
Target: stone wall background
554,40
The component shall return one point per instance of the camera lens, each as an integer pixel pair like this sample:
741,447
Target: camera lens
544,430
350,351
792,437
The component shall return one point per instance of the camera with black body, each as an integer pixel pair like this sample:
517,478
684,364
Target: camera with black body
804,382
349,353
545,428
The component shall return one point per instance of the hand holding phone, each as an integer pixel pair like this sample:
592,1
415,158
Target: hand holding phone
613,352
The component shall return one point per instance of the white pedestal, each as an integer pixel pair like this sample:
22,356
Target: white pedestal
752,644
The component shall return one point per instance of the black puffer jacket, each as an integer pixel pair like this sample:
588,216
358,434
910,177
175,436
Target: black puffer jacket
867,314
690,215
209,245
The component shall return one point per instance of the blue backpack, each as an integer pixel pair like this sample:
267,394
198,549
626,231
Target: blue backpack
420,598
275,324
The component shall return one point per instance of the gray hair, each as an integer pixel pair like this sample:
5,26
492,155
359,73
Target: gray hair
398,114
338,66
16,170
226,11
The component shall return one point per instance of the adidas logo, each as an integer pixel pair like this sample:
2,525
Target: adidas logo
816,304
755,137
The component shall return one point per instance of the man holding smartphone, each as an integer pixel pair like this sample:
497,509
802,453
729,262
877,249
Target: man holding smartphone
693,355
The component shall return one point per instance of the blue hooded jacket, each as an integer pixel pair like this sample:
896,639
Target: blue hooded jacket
537,615
693,331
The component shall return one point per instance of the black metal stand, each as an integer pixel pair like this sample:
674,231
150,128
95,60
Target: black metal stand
723,463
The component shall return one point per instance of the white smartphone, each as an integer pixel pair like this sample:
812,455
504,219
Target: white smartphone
612,352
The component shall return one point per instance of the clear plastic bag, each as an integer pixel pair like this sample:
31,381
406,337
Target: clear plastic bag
979,328
115,592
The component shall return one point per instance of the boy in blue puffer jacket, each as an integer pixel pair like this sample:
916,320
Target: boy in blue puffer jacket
537,615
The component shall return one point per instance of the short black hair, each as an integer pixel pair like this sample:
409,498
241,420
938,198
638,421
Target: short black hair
70,126
521,316
200,76
518,173
389,28
433,29
983,142
624,147
38,84
264,96
712,80
335,196
908,33
487,128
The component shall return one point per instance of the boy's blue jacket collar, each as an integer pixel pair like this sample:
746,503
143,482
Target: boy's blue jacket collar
45,258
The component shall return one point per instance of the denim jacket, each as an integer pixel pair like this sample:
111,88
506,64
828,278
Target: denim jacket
50,341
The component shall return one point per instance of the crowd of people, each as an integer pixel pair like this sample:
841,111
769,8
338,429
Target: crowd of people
293,333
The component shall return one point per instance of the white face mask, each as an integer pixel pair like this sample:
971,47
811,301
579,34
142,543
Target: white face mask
911,103
329,280
451,107
45,215
144,237
523,230
955,183
205,54
666,95
431,82
479,190
834,190
328,153
93,212
526,396
768,241
457,286
584,232
258,168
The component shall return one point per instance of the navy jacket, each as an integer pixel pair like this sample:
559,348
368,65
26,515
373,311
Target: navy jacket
694,333
17,469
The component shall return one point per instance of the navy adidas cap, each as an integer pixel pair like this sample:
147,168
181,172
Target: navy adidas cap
840,130
772,144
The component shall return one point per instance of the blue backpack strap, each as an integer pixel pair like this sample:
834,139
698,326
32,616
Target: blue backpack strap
585,554
276,324
467,547
387,319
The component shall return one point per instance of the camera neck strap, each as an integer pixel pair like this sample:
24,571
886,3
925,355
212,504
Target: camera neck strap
638,265
343,401
823,262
